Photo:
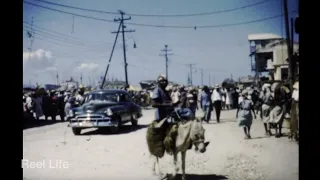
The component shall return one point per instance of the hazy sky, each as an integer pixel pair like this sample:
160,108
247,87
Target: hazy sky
70,45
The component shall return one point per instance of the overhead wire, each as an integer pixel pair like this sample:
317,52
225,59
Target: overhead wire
161,26
156,15
61,39
65,35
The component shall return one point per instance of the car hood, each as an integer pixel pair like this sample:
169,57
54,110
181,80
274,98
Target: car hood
94,107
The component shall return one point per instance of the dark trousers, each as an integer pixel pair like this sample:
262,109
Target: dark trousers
217,107
61,113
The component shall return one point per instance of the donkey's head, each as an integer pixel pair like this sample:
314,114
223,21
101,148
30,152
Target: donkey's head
197,136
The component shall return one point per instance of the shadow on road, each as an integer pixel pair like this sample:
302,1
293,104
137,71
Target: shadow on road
213,121
261,137
199,177
124,130
39,123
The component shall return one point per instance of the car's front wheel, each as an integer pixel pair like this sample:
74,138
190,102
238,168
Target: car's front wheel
116,128
76,131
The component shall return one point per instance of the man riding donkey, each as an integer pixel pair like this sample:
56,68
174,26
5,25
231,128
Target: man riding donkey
175,128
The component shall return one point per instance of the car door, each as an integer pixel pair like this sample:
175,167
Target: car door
125,115
129,106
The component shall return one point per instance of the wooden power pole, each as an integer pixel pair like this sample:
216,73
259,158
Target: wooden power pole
191,69
289,46
122,19
165,50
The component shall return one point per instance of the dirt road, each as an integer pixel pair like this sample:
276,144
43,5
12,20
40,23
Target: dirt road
61,155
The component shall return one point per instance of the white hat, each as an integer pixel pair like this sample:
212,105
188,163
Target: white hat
217,86
265,86
245,92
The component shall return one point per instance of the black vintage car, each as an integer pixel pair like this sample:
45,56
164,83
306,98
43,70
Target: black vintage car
104,109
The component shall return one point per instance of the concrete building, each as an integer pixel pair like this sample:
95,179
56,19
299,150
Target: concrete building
268,53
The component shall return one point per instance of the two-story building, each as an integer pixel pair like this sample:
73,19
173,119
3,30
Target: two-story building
268,53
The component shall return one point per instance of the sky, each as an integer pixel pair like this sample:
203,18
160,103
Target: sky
73,46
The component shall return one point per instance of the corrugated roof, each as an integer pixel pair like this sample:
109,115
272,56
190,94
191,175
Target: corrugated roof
265,36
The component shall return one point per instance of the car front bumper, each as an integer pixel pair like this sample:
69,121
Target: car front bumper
91,122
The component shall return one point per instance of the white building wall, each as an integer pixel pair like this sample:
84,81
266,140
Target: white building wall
280,54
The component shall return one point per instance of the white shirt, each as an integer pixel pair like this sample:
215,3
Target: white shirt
295,95
79,98
29,102
240,99
216,96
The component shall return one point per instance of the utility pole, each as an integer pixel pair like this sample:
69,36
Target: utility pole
289,47
166,56
209,78
122,19
81,78
57,78
201,76
191,68
292,34
114,45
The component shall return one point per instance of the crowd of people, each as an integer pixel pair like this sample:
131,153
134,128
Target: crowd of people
52,103
272,102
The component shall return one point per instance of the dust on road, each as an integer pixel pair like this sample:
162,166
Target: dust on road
100,155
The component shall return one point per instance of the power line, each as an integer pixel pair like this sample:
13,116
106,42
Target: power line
63,34
157,15
66,39
162,26
44,35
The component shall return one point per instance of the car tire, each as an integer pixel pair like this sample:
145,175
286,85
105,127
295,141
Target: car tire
76,131
134,120
116,129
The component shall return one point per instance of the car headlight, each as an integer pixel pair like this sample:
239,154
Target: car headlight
109,112
71,113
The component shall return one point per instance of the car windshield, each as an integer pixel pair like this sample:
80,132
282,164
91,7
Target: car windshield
107,97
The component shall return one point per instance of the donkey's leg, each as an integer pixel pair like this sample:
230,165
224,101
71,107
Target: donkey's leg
183,164
175,167
154,165
159,171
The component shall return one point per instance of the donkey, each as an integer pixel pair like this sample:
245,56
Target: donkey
188,134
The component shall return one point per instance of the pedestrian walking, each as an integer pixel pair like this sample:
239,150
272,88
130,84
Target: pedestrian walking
217,101
38,105
229,99
206,103
192,100
266,108
294,123
244,114
61,105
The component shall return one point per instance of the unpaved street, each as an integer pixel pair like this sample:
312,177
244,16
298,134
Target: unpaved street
100,155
